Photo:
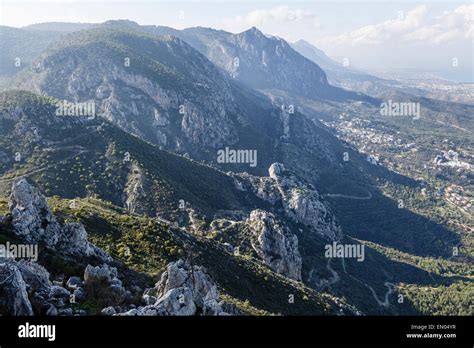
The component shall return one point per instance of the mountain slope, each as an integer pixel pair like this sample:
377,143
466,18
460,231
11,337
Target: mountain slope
141,249
169,94
316,55
100,159
66,156
19,47
76,157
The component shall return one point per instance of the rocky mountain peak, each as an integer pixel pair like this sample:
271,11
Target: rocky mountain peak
252,32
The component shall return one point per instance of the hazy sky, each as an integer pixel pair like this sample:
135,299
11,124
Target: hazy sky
433,35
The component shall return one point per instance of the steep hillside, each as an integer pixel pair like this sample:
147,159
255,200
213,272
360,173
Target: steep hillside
100,159
157,88
20,47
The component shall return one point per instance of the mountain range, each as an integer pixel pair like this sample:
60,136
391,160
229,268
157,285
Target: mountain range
139,177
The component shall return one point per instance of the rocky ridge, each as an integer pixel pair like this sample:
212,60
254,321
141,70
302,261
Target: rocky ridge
300,200
26,287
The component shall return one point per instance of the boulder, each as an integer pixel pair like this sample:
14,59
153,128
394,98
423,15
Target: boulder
74,283
108,311
56,291
52,311
79,295
34,275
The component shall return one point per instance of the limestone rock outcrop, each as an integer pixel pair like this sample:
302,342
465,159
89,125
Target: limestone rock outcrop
182,290
33,221
299,199
277,247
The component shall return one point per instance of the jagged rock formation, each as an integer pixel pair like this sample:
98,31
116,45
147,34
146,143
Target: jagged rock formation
135,192
190,281
26,289
13,295
181,290
299,199
33,221
261,56
276,246
26,285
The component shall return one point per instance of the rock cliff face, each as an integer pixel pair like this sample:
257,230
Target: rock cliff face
205,122
276,246
300,200
33,221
